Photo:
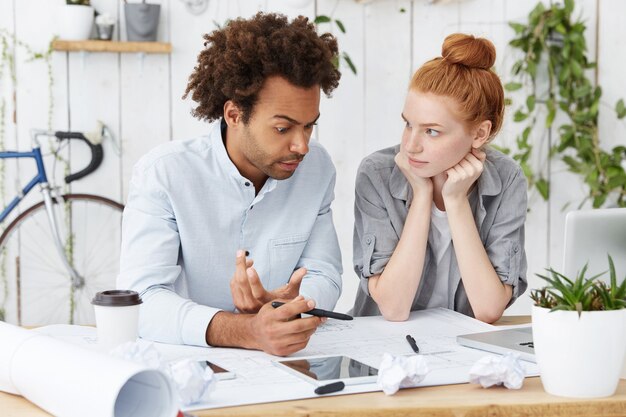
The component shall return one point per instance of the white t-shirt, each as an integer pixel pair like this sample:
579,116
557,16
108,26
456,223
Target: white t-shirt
440,241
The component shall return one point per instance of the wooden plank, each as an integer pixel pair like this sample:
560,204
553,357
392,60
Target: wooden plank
145,87
10,168
112,46
537,224
341,129
387,71
567,190
32,112
432,22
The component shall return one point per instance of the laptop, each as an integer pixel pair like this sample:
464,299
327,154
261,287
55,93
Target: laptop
517,340
589,236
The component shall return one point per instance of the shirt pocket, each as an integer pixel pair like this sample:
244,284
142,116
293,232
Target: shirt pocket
285,252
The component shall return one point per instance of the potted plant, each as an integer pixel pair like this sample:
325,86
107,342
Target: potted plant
142,21
76,20
579,333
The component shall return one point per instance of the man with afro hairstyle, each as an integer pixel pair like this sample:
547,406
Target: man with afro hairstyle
219,226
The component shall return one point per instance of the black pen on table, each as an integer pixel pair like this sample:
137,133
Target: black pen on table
319,312
411,341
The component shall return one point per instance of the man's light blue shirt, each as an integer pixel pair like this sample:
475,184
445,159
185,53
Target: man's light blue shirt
189,210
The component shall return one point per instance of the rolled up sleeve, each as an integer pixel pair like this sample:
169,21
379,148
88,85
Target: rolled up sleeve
505,241
374,238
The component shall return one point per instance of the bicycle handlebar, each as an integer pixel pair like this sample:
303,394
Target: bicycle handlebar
96,155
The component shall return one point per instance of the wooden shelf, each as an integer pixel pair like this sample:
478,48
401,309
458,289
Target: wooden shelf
112,46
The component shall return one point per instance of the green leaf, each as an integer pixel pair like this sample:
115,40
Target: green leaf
517,27
577,70
512,86
340,25
520,116
551,113
348,60
620,108
599,200
530,103
321,19
569,6
543,188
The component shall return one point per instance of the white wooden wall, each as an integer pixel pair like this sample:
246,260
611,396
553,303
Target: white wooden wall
139,97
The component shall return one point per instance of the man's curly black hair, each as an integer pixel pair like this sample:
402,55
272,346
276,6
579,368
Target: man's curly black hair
238,58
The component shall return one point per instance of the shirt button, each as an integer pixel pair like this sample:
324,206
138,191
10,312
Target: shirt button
368,240
251,207
247,184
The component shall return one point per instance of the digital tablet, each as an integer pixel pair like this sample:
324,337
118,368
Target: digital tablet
219,372
321,370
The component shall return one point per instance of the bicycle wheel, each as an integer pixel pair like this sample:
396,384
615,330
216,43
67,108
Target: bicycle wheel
40,289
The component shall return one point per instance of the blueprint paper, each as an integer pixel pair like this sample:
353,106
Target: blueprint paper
365,339
69,380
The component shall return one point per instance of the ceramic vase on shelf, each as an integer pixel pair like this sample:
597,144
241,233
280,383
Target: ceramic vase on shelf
75,22
142,21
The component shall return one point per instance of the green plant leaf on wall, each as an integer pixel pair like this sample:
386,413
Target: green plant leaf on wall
552,43
348,60
340,25
321,19
620,109
512,86
543,187
343,56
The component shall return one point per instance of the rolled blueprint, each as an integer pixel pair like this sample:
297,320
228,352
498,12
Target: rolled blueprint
68,380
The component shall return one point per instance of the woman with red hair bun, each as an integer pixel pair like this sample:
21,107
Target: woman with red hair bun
439,218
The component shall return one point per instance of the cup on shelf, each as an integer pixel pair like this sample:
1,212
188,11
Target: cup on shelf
117,317
105,32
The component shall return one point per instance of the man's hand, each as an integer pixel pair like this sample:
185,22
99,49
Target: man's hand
248,292
240,288
463,175
280,331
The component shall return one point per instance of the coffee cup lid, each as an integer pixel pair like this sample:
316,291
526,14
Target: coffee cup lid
116,298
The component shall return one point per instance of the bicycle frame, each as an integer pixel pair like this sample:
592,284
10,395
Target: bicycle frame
41,179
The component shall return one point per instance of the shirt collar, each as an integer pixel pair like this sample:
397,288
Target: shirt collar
489,182
218,139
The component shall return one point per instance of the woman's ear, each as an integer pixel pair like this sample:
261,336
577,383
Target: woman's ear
481,134
232,114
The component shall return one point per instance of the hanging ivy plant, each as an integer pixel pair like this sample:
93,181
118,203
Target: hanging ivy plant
552,42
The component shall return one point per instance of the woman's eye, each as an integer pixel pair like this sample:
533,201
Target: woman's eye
282,129
432,132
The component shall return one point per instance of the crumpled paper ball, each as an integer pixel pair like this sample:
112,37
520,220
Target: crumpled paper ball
506,370
191,381
397,372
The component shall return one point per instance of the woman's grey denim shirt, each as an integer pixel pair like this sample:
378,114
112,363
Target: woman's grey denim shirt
382,200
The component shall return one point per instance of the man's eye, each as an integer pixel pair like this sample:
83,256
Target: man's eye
282,129
407,125
310,127
432,132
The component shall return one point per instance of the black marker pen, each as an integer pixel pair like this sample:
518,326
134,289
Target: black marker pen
319,312
330,388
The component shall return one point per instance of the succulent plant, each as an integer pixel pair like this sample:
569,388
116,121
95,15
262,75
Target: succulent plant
580,294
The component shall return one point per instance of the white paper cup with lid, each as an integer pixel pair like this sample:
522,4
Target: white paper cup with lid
117,317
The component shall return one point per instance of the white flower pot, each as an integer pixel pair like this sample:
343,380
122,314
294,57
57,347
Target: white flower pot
579,357
76,22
